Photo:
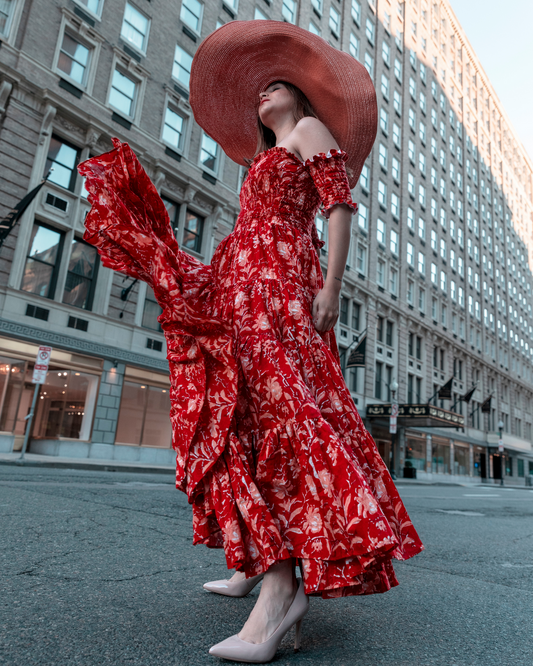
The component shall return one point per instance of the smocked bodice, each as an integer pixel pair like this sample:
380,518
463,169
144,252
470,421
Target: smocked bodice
282,188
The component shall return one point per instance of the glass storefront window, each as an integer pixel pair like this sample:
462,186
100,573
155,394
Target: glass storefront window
461,460
11,383
415,451
66,405
144,416
440,455
508,466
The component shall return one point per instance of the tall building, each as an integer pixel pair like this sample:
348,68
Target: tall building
438,281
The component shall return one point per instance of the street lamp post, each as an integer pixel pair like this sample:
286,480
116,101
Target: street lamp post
500,450
393,426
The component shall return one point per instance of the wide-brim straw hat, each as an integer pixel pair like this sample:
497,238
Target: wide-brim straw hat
240,59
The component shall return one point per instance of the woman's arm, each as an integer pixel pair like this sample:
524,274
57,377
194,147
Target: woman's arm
311,137
326,303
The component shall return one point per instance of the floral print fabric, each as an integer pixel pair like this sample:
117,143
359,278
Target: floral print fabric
271,450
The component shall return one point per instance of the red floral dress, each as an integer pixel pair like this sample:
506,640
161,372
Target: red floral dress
271,450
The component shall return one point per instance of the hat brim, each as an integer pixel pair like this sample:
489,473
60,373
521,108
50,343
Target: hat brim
240,59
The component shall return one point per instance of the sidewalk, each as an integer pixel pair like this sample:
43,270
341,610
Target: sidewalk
94,464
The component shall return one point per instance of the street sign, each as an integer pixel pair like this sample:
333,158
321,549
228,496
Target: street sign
395,410
41,365
500,445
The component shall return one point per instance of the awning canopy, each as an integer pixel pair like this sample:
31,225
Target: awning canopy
425,415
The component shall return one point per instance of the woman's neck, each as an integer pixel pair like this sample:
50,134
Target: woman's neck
283,129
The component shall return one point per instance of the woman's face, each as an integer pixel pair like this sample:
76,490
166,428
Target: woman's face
275,102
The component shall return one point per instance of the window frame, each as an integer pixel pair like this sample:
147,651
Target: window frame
52,286
145,36
196,31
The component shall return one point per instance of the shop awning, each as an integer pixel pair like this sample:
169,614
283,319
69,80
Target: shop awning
425,415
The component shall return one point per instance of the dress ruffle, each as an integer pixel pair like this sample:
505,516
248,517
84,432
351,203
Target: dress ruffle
271,450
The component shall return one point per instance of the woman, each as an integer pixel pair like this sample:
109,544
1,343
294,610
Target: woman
271,451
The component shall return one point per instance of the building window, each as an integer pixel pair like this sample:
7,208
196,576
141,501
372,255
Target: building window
421,228
384,120
385,53
395,165
7,8
381,232
151,311
191,14
81,275
378,380
421,263
370,30
143,417
382,193
356,11
383,156
288,10
94,6
398,70
334,21
66,405
410,292
181,70
363,216
343,311
385,86
354,46
209,153
135,27
63,159
397,102
73,59
364,180
395,204
393,281
421,299
173,210
259,16
410,254
123,93
396,136
356,316
193,232
173,128
394,236
380,273
42,262
312,28
369,64
361,259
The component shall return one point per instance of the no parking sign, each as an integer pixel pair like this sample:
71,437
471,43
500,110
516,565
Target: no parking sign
41,365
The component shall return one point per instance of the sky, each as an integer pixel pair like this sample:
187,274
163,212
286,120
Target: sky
500,34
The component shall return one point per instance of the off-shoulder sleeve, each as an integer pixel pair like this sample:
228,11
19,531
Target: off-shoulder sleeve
329,175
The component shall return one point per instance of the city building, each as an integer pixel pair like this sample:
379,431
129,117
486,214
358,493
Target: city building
438,282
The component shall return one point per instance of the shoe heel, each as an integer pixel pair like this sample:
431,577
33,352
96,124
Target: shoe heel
298,635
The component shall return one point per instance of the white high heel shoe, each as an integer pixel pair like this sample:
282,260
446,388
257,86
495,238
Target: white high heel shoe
236,649
238,588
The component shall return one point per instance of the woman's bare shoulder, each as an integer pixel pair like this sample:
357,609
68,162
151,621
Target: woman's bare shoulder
313,137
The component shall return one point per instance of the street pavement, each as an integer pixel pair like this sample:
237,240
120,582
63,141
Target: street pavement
99,568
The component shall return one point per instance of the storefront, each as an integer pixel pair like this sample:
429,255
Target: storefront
87,408
66,402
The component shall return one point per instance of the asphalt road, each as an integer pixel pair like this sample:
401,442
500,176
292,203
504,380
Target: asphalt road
99,568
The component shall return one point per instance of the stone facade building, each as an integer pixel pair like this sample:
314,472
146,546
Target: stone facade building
438,276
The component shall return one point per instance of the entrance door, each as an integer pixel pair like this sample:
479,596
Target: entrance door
497,466
483,465
384,451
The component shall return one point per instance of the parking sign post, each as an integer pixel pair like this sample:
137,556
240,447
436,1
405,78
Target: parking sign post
39,377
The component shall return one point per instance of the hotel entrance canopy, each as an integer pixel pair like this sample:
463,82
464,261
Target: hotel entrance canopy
424,415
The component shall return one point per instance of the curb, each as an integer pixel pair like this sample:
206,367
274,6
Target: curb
93,467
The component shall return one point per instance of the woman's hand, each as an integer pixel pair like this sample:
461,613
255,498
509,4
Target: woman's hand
326,309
